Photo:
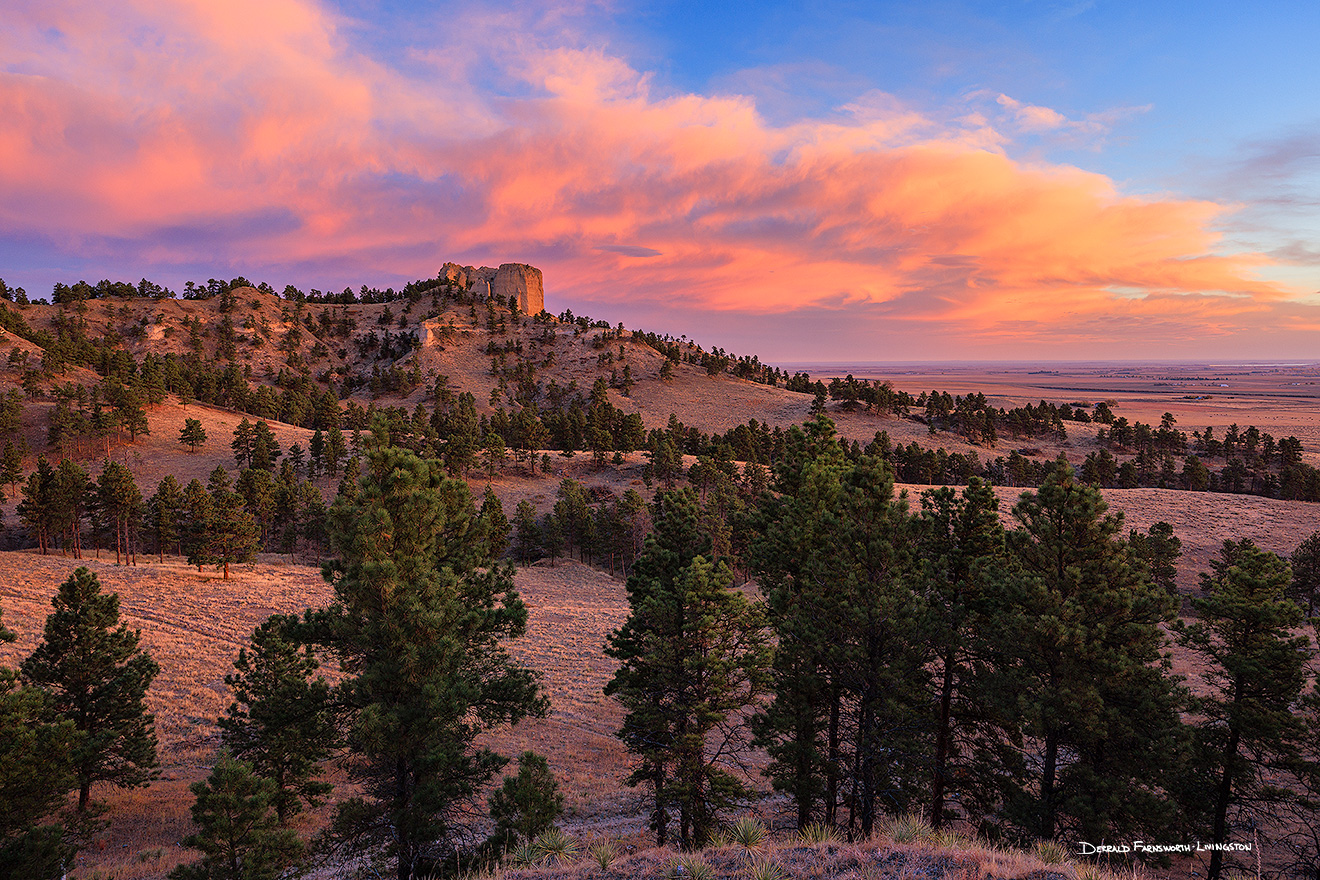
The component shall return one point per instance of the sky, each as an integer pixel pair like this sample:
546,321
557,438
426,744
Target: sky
833,181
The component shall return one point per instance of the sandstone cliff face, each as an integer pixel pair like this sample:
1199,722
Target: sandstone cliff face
523,282
518,280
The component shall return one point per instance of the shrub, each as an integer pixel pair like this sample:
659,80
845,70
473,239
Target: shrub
691,867
908,828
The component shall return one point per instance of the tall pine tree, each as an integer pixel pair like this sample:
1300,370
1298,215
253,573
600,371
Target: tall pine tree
1256,672
1082,664
96,676
420,616
962,550
694,657
36,771
282,719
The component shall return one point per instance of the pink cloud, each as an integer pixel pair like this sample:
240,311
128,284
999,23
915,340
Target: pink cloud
145,129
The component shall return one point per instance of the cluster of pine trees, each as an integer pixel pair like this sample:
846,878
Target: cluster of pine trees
220,522
421,617
1017,680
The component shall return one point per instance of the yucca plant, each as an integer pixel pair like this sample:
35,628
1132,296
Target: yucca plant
524,855
908,828
557,847
1050,852
748,834
948,839
818,832
691,867
1087,871
603,853
765,869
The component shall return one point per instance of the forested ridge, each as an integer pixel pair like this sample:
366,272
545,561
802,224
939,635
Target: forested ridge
890,658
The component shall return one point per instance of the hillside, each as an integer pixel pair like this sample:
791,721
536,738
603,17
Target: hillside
448,370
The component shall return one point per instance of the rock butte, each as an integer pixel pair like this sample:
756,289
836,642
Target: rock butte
509,280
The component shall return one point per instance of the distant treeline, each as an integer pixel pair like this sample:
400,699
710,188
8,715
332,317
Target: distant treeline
531,413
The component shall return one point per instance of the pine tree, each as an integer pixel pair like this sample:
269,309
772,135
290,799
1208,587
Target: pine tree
259,492
36,770
196,517
265,448
495,454
130,414
335,451
192,434
1256,673
296,459
37,509
421,615
348,484
281,718
851,679
11,467
96,676
552,537
1158,549
119,505
496,523
526,804
1082,665
165,515
527,531
694,657
316,453
961,545
70,497
1305,586
242,444
228,533
238,832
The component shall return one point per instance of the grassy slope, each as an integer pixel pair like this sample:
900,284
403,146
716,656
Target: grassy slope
194,623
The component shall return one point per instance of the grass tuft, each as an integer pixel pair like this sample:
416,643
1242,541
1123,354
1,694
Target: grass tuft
1051,852
909,828
818,832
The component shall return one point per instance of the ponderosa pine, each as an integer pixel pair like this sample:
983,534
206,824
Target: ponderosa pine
282,719
1082,665
694,656
420,617
97,676
1256,673
36,771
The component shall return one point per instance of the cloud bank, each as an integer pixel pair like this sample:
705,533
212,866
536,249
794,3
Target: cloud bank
262,133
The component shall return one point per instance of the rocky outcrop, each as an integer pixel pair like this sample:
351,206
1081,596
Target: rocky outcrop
521,282
518,280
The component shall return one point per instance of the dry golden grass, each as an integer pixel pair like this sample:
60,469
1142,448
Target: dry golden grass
193,625
1201,520
876,859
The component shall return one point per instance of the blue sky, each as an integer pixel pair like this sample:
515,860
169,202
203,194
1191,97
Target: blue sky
1024,179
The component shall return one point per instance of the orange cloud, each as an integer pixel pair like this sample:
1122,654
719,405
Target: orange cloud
255,133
